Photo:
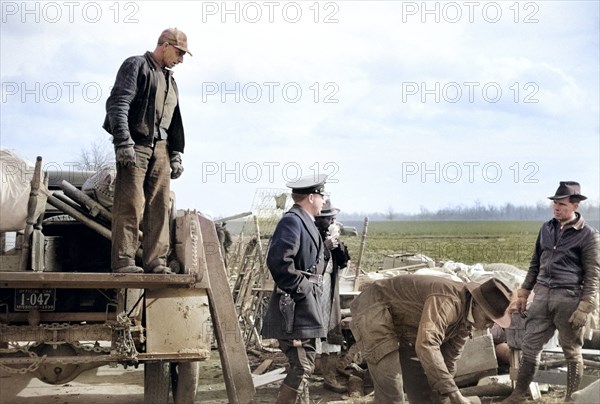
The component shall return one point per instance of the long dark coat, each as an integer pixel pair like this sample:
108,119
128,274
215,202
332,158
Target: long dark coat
340,258
296,246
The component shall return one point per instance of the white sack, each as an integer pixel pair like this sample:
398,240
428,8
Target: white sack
15,186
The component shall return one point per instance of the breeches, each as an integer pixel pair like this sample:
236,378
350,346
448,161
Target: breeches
301,356
550,311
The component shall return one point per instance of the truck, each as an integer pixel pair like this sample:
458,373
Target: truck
62,310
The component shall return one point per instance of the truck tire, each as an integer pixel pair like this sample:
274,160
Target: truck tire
184,381
157,380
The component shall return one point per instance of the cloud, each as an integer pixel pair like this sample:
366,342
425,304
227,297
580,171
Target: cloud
375,88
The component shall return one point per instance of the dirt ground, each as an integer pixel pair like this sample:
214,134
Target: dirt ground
106,385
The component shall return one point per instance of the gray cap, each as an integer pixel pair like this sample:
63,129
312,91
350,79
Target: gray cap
568,189
328,209
311,184
174,37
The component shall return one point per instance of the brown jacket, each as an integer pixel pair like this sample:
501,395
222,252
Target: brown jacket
428,312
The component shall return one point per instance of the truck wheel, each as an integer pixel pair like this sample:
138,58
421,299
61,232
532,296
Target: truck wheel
184,378
156,382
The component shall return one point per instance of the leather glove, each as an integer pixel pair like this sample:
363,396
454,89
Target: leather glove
125,156
580,316
521,302
176,166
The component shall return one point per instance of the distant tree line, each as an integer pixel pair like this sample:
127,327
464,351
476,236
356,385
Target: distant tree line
541,211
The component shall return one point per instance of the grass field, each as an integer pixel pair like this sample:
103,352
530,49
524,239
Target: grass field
469,242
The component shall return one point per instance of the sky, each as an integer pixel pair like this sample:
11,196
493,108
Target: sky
405,105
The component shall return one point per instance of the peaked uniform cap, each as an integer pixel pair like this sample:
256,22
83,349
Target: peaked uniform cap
311,184
174,37
568,189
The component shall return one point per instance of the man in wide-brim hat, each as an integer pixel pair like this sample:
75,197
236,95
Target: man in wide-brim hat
563,274
336,258
414,328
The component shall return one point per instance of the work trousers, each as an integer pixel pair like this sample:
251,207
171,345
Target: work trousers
142,196
398,372
550,311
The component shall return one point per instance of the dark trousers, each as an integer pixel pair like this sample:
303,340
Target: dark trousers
142,196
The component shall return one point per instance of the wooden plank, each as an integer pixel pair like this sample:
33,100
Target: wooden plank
80,280
592,352
478,355
560,378
477,360
269,377
234,360
262,367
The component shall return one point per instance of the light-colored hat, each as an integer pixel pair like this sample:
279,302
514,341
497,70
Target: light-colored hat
174,37
328,209
311,184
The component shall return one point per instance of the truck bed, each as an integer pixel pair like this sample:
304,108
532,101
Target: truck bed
70,280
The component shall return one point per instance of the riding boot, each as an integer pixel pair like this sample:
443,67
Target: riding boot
574,375
329,369
524,379
287,395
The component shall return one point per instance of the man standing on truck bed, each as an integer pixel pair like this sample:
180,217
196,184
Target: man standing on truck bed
143,116
295,312
563,274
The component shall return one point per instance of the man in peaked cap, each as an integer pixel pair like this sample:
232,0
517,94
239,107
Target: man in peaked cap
295,260
563,274
143,116
414,328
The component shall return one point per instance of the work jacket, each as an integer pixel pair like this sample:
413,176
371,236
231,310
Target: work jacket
567,258
130,108
295,246
427,312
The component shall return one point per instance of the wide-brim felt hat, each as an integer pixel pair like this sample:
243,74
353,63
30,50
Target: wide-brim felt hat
494,297
328,209
568,189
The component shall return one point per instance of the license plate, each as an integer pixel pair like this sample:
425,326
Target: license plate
35,299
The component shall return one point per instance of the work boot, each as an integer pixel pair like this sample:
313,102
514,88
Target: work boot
287,395
524,379
161,269
128,269
356,387
574,375
329,370
318,370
